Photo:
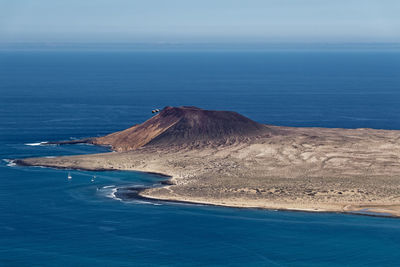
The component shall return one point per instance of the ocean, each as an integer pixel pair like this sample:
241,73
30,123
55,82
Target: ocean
49,220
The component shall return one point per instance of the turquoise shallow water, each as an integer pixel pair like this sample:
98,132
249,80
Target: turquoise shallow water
48,220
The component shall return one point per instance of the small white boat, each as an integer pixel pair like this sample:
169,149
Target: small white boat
69,176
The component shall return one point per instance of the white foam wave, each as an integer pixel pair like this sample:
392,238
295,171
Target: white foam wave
136,201
109,192
10,163
112,194
36,144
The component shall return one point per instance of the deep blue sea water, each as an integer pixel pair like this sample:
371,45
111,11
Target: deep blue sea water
48,220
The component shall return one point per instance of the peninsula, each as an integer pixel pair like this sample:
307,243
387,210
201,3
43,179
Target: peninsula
224,158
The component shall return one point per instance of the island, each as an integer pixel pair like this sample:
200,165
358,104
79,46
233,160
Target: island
224,158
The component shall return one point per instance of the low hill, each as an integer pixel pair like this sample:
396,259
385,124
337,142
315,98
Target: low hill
185,126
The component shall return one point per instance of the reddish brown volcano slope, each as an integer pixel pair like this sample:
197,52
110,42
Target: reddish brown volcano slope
185,126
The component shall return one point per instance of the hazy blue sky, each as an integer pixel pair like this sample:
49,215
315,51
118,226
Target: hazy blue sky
200,20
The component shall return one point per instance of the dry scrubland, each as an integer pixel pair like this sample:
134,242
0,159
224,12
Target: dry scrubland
223,158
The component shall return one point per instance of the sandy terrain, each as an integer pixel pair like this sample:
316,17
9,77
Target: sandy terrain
310,169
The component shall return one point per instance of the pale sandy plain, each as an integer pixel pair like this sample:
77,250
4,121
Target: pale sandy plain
286,168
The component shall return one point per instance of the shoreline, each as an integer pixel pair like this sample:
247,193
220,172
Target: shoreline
352,171
270,209
137,193
353,212
20,162
140,195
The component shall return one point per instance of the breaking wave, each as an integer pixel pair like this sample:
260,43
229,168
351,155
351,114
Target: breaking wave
110,191
10,162
36,144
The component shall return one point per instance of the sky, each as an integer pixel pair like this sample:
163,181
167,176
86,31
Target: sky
199,21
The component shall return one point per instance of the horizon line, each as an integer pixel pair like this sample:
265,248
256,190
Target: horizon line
46,45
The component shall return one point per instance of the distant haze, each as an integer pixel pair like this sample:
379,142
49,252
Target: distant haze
202,21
